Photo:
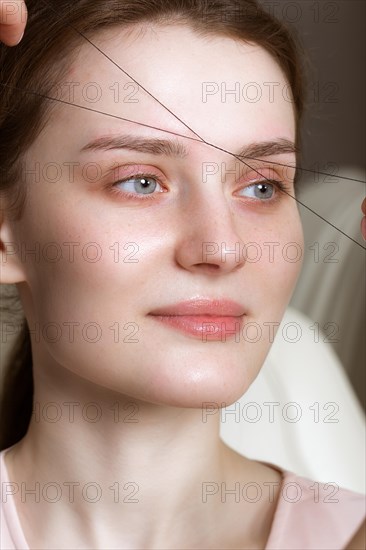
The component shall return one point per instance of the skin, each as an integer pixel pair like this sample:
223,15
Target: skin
13,19
166,375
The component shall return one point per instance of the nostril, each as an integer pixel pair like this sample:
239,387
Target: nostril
209,267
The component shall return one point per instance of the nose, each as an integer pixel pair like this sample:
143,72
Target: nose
208,239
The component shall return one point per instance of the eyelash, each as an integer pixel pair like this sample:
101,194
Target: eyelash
280,185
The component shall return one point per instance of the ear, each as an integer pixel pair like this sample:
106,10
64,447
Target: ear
11,266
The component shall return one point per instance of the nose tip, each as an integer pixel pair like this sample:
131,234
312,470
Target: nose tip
217,255
210,257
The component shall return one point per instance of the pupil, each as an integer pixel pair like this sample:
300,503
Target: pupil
144,182
263,188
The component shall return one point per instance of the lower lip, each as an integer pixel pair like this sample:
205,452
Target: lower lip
204,327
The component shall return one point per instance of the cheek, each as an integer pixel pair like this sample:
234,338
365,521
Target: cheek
77,262
100,268
277,261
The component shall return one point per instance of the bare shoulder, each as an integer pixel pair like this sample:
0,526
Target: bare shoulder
10,457
254,470
257,486
267,471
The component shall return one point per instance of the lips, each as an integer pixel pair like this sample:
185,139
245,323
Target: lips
203,306
203,318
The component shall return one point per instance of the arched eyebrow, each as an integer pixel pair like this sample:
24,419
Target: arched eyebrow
175,148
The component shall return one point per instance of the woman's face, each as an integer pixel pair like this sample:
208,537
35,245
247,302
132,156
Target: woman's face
201,225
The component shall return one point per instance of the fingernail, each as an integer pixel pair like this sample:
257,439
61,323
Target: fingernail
20,38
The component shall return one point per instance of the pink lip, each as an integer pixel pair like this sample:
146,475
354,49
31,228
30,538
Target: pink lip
203,318
203,306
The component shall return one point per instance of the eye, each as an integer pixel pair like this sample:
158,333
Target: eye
140,184
264,190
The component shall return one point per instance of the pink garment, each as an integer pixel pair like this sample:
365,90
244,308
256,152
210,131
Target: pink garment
304,519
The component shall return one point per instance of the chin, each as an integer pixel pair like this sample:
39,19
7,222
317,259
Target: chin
192,386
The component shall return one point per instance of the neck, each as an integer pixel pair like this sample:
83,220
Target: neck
120,465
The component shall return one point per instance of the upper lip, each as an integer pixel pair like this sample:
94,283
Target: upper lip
203,306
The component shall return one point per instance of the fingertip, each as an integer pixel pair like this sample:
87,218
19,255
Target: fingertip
363,206
21,36
8,38
363,228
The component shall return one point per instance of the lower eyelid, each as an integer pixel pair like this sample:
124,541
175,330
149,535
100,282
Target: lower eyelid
133,196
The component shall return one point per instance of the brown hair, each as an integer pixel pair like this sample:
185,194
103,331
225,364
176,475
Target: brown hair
55,29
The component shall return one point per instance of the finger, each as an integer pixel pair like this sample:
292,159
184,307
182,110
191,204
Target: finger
13,19
363,221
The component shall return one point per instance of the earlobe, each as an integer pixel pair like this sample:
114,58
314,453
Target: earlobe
11,268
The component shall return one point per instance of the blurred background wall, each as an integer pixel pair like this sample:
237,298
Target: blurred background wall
333,35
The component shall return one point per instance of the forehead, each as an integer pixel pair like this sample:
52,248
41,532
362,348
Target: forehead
169,77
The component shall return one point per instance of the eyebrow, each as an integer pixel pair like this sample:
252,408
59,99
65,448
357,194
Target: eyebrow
175,148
